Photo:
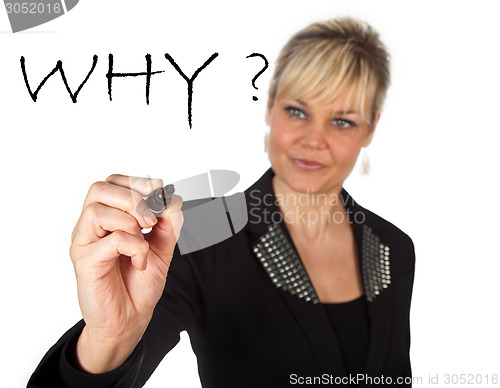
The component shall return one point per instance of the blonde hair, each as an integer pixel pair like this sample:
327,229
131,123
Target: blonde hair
330,58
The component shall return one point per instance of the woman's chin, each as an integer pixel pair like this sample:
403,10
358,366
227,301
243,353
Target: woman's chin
295,180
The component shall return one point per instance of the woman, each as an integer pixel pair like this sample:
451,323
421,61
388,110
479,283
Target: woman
314,289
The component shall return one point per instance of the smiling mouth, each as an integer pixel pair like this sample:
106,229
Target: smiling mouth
307,165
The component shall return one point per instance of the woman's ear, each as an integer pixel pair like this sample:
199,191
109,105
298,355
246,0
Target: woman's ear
371,131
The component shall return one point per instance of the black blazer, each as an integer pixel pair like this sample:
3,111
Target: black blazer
252,314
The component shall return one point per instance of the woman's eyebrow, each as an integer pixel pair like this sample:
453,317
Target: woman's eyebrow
345,112
302,103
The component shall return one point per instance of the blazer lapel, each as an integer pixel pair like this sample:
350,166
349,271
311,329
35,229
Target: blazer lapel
279,258
374,258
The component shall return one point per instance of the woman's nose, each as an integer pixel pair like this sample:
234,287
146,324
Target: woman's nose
314,136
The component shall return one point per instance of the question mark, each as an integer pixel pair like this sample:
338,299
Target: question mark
260,72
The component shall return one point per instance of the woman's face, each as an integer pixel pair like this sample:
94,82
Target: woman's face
313,146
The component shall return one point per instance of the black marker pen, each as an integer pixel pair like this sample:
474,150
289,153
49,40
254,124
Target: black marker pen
159,199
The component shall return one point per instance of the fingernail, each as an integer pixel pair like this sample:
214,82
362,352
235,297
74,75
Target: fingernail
150,220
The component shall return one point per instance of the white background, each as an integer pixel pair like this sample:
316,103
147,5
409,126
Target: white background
434,158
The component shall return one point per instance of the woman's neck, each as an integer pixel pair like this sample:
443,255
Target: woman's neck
312,214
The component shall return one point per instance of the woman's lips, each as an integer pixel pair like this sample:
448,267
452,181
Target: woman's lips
307,165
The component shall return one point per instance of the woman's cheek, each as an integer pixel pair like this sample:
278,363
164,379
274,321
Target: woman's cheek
345,154
278,141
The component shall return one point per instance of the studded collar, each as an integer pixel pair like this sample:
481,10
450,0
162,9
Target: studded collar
273,248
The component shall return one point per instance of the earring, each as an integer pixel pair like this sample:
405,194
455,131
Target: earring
365,164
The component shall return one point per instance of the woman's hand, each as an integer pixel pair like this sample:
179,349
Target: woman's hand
120,272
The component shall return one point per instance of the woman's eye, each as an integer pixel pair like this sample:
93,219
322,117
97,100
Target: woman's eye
295,112
343,124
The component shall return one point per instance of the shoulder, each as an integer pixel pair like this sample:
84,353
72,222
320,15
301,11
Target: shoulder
374,229
387,230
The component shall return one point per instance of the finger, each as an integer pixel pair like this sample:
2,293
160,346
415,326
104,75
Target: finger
98,220
143,186
165,234
102,254
173,210
121,198
173,207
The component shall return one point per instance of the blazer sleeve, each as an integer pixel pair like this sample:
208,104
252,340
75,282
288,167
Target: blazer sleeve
178,309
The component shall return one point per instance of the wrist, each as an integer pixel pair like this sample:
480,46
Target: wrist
94,356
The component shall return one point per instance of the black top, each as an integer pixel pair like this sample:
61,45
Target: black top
251,312
351,325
